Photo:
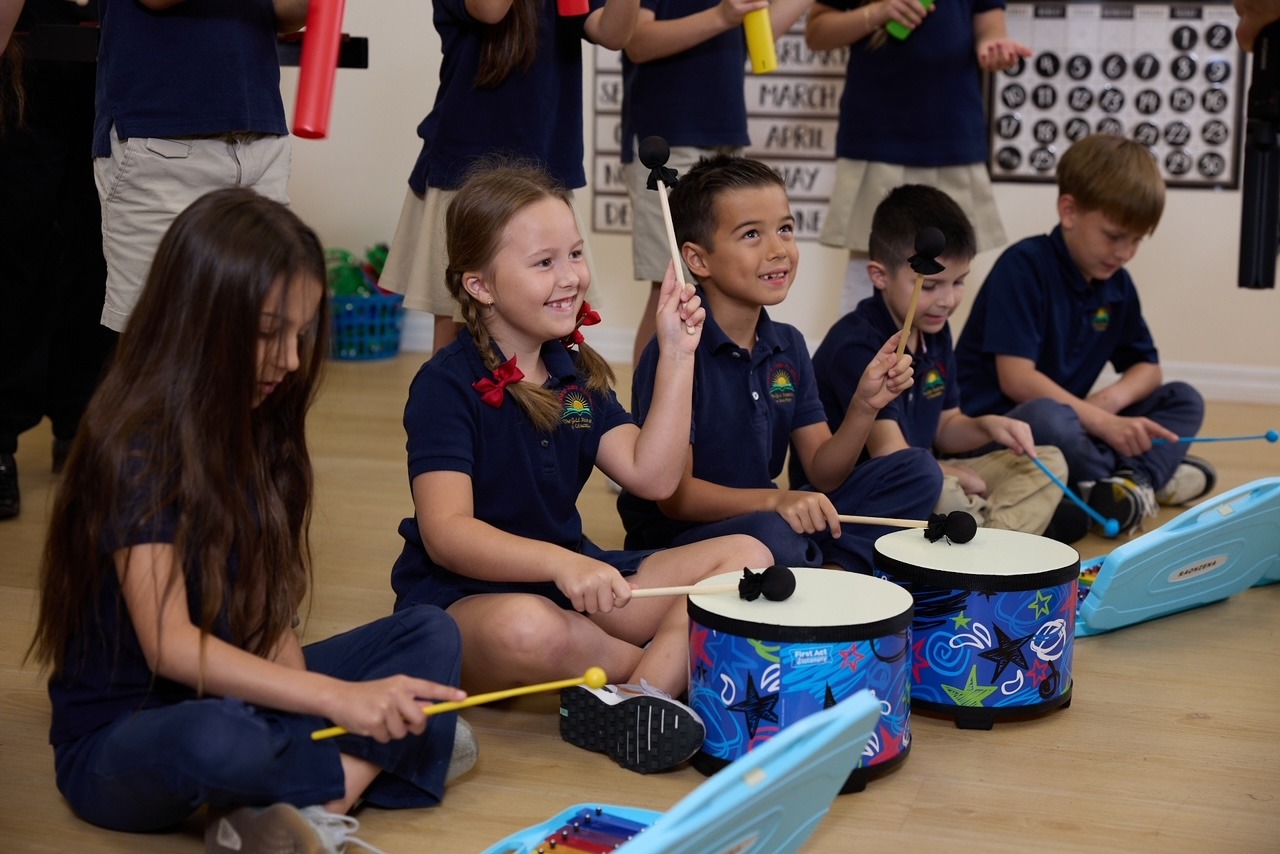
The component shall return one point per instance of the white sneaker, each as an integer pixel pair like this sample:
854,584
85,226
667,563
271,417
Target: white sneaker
1193,479
465,750
283,829
640,727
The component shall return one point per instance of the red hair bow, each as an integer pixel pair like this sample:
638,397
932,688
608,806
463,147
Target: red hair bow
492,392
586,317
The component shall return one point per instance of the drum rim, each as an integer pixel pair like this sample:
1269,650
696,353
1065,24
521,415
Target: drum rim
945,579
755,630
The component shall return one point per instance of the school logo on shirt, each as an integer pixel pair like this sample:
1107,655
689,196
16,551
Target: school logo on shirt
1102,318
934,384
575,409
782,383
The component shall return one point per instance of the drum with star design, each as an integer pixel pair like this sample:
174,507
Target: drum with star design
757,667
994,626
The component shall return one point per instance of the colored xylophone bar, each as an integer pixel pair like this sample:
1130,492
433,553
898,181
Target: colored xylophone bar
592,831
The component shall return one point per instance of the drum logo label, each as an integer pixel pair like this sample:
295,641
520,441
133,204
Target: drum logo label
809,657
1197,569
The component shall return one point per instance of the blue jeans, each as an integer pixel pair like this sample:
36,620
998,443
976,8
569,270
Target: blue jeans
153,769
1176,406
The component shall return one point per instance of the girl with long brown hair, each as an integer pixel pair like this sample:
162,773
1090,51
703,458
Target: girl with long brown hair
504,427
178,558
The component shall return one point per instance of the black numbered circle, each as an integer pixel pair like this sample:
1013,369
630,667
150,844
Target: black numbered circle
1215,132
1183,67
1080,99
1076,129
1218,36
1147,102
1114,66
1182,99
1045,131
1109,124
1217,70
1017,68
1214,100
1211,164
1047,64
1177,133
1014,96
1146,66
1044,96
1008,127
1147,134
1009,158
1111,100
1177,162
1042,159
1184,38
1079,66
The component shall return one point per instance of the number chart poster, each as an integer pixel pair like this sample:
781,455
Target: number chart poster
1169,75
792,115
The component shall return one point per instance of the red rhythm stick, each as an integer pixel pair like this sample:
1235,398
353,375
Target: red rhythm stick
572,8
318,68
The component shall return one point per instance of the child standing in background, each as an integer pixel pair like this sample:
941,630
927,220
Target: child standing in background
178,558
1000,489
754,395
511,85
911,113
1055,309
504,427
677,42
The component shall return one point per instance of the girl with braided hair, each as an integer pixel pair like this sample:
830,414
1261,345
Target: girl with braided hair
504,427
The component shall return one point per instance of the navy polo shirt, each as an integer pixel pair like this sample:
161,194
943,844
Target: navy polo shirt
900,95
693,98
201,68
523,482
534,114
745,407
1035,303
851,345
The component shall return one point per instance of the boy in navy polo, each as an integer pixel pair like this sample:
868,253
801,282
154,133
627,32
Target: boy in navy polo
754,395
1055,309
1000,489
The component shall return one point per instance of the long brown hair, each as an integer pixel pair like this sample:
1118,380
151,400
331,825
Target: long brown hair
509,44
173,424
493,193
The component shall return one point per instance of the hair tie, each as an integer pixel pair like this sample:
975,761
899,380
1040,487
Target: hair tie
492,392
586,317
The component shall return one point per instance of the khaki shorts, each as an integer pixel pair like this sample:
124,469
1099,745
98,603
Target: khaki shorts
147,182
418,256
861,186
650,247
1019,496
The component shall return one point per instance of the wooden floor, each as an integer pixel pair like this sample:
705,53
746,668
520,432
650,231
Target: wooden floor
1172,741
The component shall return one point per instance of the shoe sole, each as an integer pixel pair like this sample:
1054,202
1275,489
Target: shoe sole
643,734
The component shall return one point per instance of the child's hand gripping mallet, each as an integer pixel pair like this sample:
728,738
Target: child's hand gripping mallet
775,583
930,243
1110,527
594,678
654,153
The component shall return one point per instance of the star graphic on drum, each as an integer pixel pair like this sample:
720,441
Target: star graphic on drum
960,621
1006,651
851,658
756,708
1041,604
972,694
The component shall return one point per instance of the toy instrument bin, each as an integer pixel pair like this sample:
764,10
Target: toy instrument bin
366,327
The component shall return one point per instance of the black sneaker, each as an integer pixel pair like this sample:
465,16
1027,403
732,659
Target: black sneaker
10,498
1069,523
638,726
1193,479
1125,497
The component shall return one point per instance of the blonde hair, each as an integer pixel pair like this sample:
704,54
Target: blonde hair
1117,176
493,193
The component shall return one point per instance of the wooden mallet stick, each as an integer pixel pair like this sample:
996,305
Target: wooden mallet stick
594,678
775,583
930,243
957,526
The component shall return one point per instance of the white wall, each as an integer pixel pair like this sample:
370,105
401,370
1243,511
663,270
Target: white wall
350,187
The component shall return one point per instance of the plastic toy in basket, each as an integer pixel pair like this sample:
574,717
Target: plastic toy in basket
367,322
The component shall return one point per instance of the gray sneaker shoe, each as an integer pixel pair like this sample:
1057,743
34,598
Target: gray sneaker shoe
283,829
465,750
640,727
1193,479
1125,497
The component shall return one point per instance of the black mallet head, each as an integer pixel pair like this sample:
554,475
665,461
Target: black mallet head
775,583
930,243
957,526
654,153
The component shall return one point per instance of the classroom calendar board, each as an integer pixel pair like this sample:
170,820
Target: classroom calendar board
1169,75
791,116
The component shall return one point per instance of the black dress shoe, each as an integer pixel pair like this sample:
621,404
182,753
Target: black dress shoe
10,500
61,447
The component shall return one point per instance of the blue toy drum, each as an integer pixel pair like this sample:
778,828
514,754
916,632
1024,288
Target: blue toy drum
758,667
994,627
